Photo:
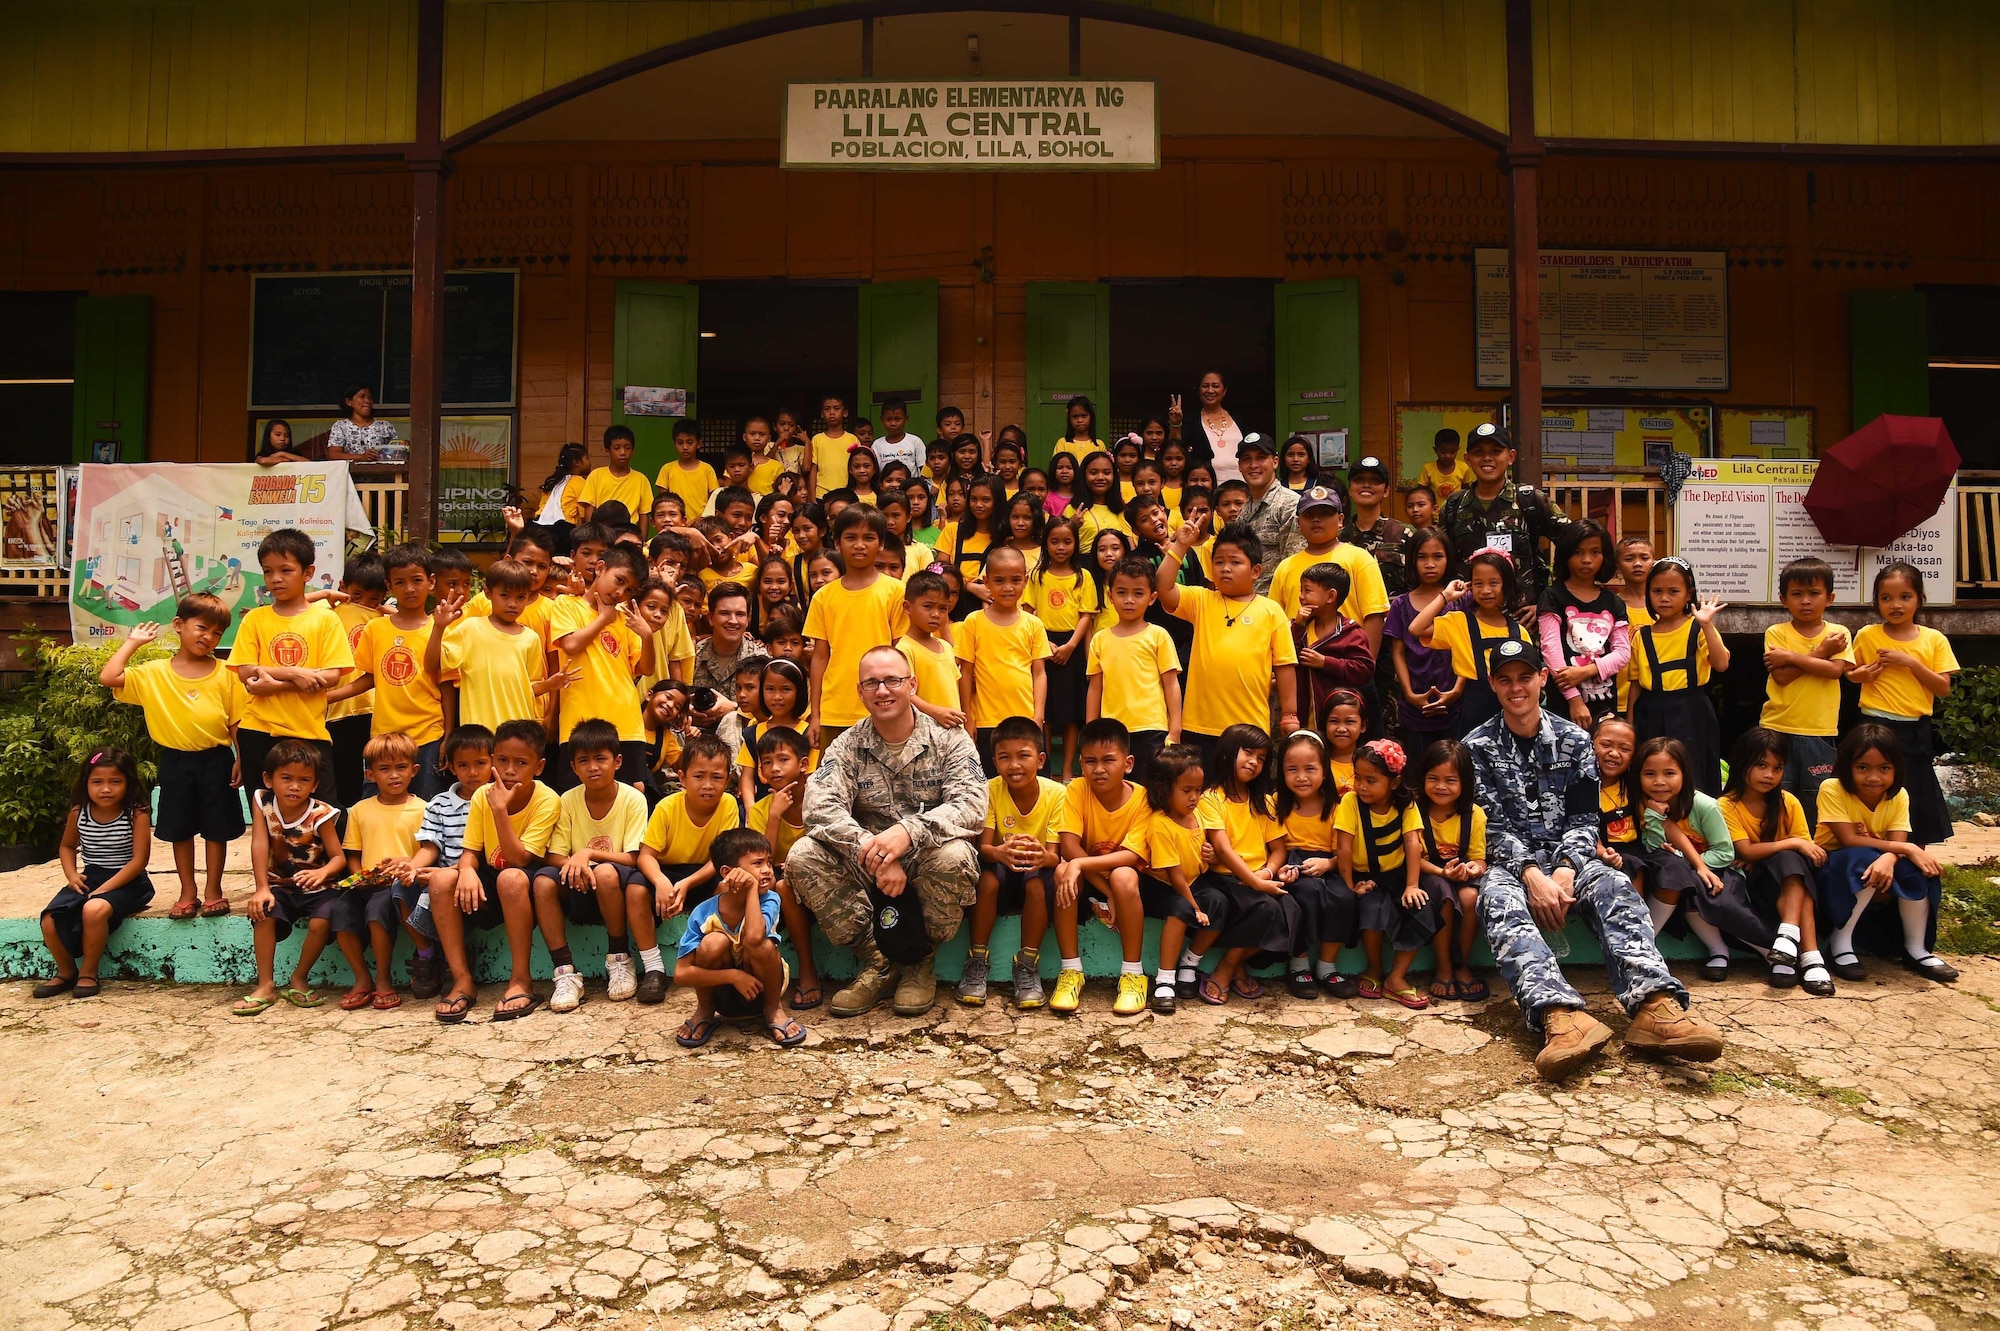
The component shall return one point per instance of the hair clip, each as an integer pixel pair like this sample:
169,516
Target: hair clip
1494,550
1673,561
1390,753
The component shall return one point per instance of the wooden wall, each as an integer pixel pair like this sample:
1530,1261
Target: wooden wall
1402,218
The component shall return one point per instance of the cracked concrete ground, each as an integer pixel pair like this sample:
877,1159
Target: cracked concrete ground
1275,1164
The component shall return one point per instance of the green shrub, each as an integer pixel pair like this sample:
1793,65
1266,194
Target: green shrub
52,724
1969,723
1969,913
33,797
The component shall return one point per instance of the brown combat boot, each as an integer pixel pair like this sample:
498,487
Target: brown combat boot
1663,1026
871,983
1570,1037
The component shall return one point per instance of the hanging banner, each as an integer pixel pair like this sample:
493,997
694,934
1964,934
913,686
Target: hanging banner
972,125
475,477
32,500
147,534
1613,319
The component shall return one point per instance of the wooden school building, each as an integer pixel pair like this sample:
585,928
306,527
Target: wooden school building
1756,223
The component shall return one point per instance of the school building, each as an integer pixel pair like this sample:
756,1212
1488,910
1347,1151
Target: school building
1759,222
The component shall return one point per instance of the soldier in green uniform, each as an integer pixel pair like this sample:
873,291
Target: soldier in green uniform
1494,513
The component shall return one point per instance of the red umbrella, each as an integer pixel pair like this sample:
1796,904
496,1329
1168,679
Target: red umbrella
1882,481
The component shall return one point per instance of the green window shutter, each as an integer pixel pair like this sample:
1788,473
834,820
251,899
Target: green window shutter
1890,368
1069,353
899,351
654,345
114,342
1319,359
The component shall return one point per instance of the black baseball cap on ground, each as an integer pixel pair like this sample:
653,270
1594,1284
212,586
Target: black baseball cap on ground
898,925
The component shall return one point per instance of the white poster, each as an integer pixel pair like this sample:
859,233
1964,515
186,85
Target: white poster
971,125
1613,318
1724,530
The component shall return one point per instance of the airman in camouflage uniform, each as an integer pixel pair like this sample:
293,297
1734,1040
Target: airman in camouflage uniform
1273,511
1382,538
1537,780
902,817
1517,519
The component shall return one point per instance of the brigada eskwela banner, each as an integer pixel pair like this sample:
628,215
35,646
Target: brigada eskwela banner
149,533
972,125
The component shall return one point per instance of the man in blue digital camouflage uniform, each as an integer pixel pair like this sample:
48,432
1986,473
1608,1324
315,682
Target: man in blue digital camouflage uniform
1537,780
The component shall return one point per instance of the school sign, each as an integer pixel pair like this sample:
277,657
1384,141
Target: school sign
972,125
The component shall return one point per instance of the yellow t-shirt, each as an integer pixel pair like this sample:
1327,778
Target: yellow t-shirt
1452,632
1670,645
916,558
186,714
830,456
1838,804
745,574
675,838
1637,617
1381,827
631,490
764,477
1342,772
1007,818
497,671
383,831
618,830
1000,659
534,825
1305,832
1443,483
693,484
1250,833
1078,449
1896,691
851,622
1061,600
936,671
1238,646
672,643
1743,827
1132,667
534,615
406,699
355,619
1162,844
1810,704
1366,593
783,836
1082,815
314,639
1094,519
1623,829
1447,834
605,692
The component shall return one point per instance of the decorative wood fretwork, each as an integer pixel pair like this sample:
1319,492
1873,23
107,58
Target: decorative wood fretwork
1335,214
368,224
641,217
1451,209
267,221
517,217
1739,208
142,225
1859,217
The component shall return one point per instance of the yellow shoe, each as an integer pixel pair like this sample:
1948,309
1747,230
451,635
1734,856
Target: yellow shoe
1069,992
1131,1000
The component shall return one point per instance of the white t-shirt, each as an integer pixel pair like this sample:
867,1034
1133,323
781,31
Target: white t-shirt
552,512
909,450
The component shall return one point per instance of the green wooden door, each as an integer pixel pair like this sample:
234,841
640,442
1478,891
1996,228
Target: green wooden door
1889,335
1069,353
1319,359
114,342
899,351
654,345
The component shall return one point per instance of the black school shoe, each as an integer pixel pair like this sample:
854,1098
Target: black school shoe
1341,986
1850,970
1931,968
1715,969
652,987
1300,984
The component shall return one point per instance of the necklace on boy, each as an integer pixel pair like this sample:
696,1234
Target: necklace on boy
1229,620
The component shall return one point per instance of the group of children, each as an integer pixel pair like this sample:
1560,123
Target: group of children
616,728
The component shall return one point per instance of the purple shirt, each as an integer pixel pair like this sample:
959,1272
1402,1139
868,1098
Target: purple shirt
1429,668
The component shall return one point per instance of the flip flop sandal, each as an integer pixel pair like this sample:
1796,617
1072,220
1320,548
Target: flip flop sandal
301,997
1409,998
1367,988
452,1010
184,910
1245,986
1450,988
528,1002
252,1007
86,987
355,1002
694,1034
800,1003
786,1034
1211,993
1474,991
55,987
385,1000
211,910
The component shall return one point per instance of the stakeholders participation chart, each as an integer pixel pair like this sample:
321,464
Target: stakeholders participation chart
1613,319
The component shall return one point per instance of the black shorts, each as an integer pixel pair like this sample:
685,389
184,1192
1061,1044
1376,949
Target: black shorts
581,907
391,906
196,799
1159,901
292,907
1013,891
66,911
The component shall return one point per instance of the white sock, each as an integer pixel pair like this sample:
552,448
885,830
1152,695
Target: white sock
1166,974
1808,960
1841,941
1661,911
1710,936
1124,967
1298,964
649,959
1322,969
1916,919
1072,963
1790,931
1190,960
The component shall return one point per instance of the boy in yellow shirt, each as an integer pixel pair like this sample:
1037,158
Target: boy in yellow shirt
1807,658
766,466
381,842
1134,669
617,481
593,859
673,854
287,654
1100,810
605,647
827,470
1242,640
507,832
780,816
389,660
687,475
350,710
498,664
927,604
192,704
1447,472
1003,653
1367,602
1018,850
848,617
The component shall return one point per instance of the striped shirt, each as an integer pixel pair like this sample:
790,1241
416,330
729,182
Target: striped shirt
104,845
444,825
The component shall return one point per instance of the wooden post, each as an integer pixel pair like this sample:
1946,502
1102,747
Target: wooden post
428,261
1522,163
1075,46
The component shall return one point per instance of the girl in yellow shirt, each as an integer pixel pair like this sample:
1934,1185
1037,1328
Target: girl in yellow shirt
965,543
1098,503
1864,819
1250,864
1469,621
1065,598
1307,798
1082,440
1777,864
1381,857
1672,659
1454,863
1903,667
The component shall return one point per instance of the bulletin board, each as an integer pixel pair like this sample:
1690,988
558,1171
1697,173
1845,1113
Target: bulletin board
1764,432
1599,441
1417,424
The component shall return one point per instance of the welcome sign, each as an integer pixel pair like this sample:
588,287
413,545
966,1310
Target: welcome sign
972,125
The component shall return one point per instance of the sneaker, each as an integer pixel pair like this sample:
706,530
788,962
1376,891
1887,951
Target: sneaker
1663,1026
568,995
1069,992
1131,1000
620,983
426,977
652,987
916,990
1570,1038
972,979
1027,985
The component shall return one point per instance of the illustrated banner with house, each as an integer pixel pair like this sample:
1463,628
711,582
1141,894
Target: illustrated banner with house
147,534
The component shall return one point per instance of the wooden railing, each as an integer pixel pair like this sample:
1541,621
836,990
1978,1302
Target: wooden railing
386,499
1979,531
1633,506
